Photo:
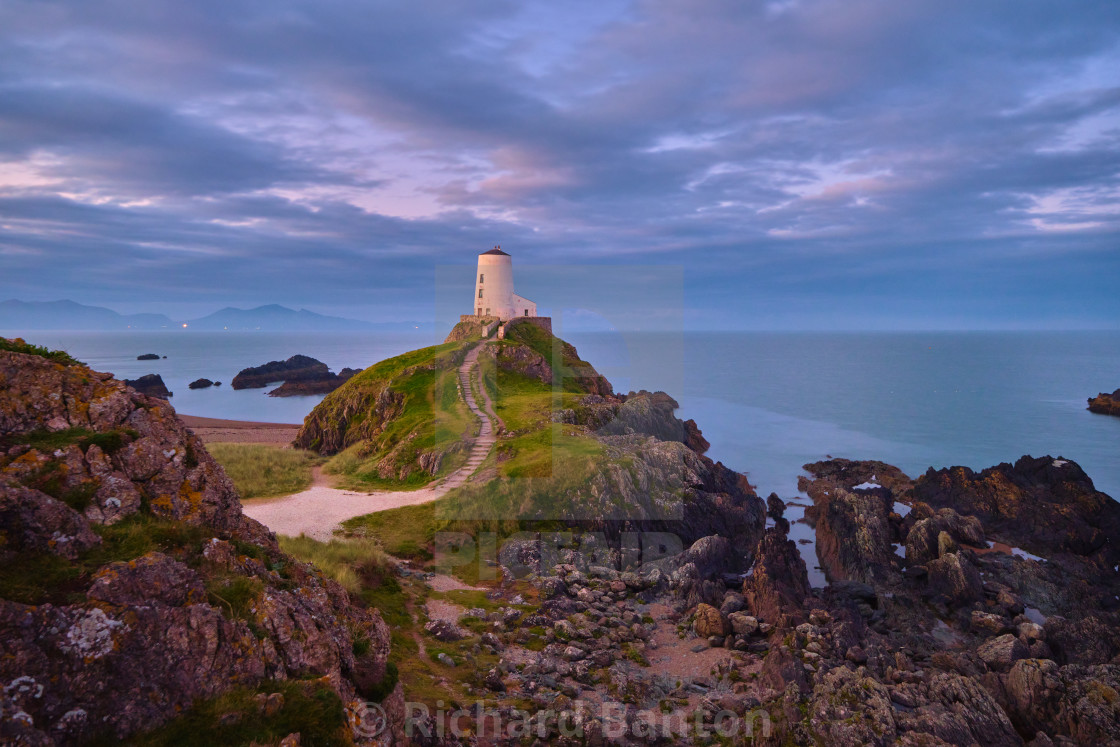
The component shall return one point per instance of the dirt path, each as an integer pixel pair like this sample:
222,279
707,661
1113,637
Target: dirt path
318,511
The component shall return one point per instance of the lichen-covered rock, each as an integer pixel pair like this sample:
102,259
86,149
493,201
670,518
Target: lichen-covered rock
36,522
848,709
134,587
445,630
1002,652
1037,503
922,543
709,622
154,577
953,577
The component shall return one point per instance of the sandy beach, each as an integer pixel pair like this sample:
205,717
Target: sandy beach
216,430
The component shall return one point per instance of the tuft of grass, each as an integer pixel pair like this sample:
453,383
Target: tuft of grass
49,441
234,718
234,595
342,560
36,578
18,345
262,471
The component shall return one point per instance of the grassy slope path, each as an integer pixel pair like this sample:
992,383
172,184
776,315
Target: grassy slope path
318,511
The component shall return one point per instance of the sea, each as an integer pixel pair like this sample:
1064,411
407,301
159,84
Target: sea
769,402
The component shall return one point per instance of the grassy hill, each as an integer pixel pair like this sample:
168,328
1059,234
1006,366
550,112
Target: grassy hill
569,455
402,423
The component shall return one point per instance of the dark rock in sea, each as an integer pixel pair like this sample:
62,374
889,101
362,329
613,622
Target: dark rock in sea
854,528
150,384
148,357
324,385
1041,504
132,588
300,375
1105,404
201,384
296,368
775,506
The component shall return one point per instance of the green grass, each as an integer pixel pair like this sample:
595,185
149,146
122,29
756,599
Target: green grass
260,471
538,447
234,595
361,567
405,532
234,718
433,418
18,345
566,365
342,560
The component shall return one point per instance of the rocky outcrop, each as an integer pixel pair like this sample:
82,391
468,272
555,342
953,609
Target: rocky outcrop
666,487
131,586
151,385
296,368
647,413
778,583
552,360
367,404
1036,504
301,375
1105,404
201,384
854,516
147,357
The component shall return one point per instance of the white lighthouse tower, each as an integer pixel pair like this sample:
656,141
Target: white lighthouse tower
493,289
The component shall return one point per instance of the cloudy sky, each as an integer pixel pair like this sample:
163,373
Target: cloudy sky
795,163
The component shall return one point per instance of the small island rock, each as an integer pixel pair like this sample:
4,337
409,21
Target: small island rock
148,357
324,385
200,384
296,368
1105,404
150,384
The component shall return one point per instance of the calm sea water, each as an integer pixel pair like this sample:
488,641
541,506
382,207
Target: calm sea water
768,402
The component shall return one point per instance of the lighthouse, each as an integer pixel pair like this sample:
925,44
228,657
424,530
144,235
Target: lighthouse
493,288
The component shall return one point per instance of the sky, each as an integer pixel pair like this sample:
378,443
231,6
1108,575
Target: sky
789,164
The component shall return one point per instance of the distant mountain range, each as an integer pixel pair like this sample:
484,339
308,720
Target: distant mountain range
274,317
55,315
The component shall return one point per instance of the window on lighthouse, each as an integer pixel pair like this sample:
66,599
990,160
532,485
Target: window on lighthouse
480,293
481,276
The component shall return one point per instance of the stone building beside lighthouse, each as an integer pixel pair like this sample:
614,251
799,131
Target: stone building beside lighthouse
493,289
